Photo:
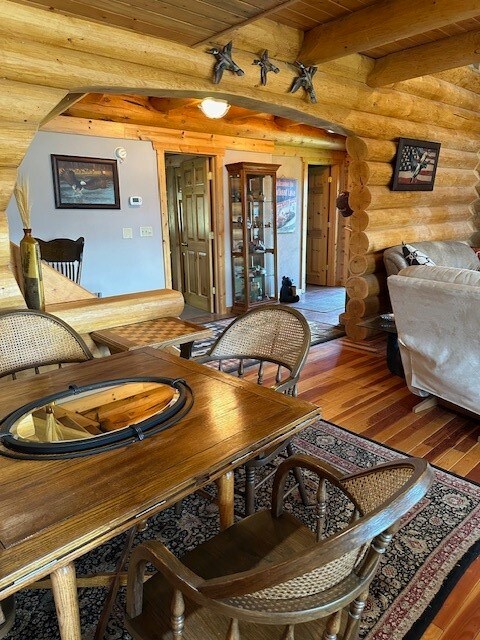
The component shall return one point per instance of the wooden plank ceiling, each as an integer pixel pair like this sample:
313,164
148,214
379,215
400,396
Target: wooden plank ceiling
381,29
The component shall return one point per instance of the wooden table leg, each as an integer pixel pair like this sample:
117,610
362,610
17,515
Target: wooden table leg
64,587
225,500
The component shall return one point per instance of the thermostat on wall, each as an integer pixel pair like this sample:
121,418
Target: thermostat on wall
135,201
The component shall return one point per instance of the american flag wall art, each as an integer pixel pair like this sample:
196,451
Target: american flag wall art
416,165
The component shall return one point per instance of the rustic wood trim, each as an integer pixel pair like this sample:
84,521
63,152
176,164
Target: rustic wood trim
162,190
93,314
69,100
304,224
218,228
174,140
333,231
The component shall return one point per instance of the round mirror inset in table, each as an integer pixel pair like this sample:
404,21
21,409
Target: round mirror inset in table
84,420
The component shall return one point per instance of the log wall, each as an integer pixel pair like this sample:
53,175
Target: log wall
383,218
46,56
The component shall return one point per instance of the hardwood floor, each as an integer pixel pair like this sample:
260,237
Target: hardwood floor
356,390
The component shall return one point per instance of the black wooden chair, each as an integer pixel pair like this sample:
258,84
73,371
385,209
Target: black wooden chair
64,255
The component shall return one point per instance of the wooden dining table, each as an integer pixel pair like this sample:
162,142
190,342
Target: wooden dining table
53,511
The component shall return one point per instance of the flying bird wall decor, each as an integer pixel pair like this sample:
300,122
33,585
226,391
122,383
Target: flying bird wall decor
224,62
305,81
265,66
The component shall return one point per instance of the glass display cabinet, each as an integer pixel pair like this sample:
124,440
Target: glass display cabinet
253,223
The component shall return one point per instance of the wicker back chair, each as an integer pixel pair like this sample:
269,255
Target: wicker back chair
7,615
30,339
64,255
270,569
272,333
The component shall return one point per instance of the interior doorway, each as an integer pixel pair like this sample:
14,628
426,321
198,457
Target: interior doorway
190,202
326,243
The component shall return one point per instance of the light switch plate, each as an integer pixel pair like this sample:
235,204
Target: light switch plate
127,232
146,232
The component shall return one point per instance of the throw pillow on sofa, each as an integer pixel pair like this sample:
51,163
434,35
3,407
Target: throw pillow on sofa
414,256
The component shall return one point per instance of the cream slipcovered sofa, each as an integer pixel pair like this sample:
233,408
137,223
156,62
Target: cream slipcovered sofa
437,314
446,253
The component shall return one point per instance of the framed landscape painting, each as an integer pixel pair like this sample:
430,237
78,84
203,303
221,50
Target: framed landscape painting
416,165
85,183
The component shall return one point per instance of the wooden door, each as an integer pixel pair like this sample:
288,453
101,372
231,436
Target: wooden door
322,226
195,233
317,224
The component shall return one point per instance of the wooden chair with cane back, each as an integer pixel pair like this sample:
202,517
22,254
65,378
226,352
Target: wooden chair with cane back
30,339
64,255
271,333
270,576
7,615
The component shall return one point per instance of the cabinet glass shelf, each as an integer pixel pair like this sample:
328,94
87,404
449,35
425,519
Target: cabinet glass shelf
252,206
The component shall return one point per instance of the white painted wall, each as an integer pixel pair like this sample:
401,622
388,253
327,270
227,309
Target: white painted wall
111,264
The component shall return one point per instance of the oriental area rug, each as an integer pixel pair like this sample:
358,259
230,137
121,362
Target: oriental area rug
436,542
321,332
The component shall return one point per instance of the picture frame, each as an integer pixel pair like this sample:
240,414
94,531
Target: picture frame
287,189
415,165
85,183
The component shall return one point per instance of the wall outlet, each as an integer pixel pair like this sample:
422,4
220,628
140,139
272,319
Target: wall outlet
146,232
127,232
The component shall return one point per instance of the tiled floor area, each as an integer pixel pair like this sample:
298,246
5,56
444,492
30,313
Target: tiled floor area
323,304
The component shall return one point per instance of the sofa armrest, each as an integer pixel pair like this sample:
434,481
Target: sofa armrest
438,326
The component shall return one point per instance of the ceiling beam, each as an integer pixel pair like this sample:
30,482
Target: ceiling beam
126,109
425,59
238,114
379,24
285,123
170,105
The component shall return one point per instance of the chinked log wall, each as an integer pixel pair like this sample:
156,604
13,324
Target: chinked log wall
45,56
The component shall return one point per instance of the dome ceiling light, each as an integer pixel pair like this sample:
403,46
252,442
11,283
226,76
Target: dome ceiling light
214,107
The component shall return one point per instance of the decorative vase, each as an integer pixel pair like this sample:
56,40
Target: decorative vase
32,271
